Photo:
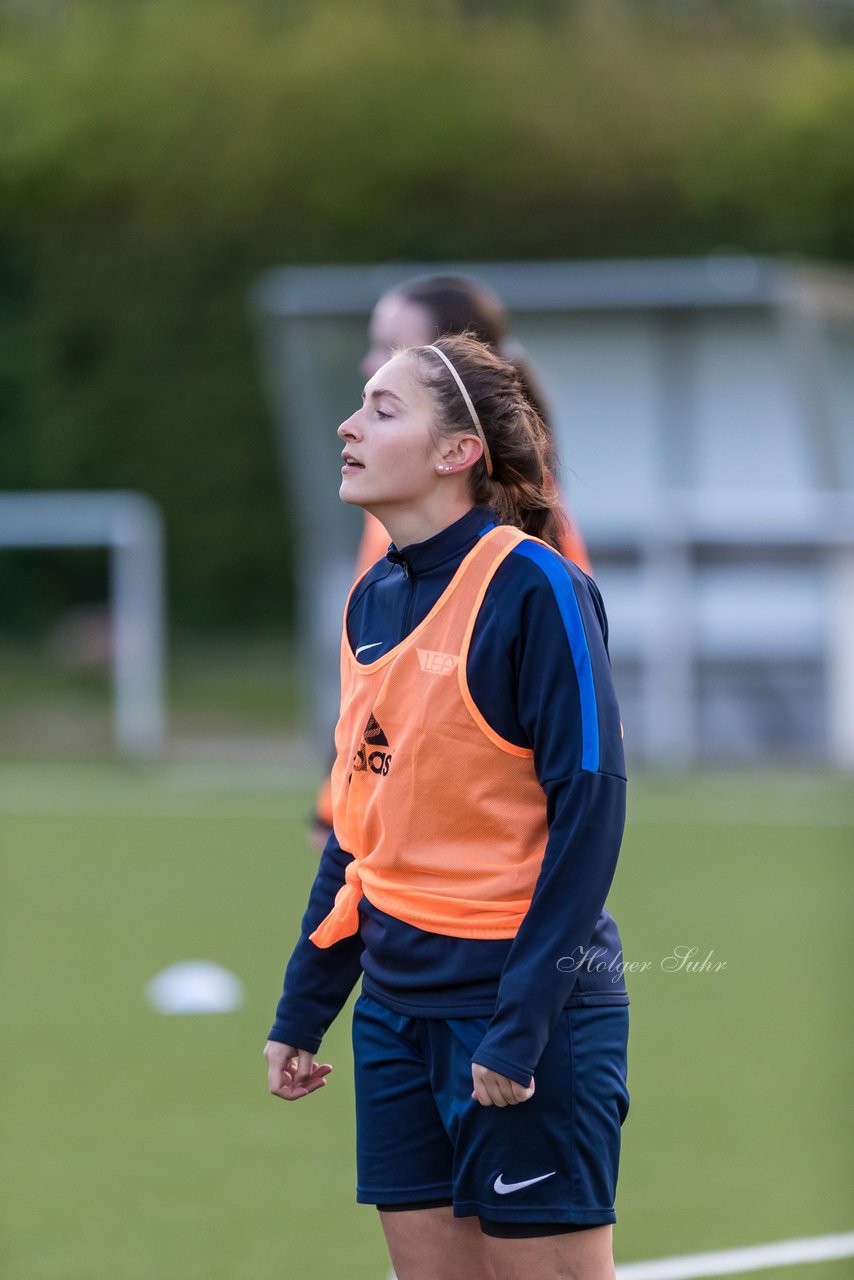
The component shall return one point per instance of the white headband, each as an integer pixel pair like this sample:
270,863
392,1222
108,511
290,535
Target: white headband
487,458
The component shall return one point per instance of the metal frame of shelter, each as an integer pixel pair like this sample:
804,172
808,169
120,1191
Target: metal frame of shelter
301,313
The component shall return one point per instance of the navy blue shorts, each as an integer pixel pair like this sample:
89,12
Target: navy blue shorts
421,1137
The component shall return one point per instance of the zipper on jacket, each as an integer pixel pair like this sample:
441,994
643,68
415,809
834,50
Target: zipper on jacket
407,614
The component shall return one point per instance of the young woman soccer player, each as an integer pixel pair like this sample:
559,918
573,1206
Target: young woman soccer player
479,796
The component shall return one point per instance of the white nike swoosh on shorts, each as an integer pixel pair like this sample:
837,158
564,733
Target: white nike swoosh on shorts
504,1188
363,647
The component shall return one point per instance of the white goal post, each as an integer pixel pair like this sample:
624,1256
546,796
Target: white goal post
131,527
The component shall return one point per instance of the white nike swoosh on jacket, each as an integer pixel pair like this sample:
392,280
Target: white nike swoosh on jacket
363,647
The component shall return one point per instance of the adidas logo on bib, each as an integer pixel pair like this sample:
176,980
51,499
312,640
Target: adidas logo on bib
371,755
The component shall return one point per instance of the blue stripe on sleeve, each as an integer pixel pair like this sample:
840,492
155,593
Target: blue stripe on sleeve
564,594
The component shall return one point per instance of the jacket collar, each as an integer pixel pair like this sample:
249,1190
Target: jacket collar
450,544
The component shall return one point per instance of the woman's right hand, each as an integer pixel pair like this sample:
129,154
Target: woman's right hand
292,1073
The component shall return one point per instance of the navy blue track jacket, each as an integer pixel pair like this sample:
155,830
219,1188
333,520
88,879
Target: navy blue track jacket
539,673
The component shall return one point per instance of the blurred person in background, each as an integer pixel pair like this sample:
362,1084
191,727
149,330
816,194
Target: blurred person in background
429,307
479,800
415,313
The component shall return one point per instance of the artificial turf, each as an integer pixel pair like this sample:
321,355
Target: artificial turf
137,1145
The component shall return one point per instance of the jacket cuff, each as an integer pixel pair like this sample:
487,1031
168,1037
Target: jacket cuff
512,1070
288,1033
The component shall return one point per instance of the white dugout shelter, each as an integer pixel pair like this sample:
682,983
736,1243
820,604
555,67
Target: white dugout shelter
704,415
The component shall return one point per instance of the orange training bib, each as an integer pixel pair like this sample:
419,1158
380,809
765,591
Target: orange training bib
446,820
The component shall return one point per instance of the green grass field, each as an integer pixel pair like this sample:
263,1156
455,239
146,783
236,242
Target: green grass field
136,1145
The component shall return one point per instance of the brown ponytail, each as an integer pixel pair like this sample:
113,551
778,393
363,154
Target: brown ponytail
522,489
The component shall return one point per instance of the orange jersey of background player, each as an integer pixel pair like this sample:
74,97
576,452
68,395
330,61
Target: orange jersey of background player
414,313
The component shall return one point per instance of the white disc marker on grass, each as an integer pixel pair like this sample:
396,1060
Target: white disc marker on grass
196,986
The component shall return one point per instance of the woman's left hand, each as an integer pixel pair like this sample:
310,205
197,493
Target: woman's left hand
494,1090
